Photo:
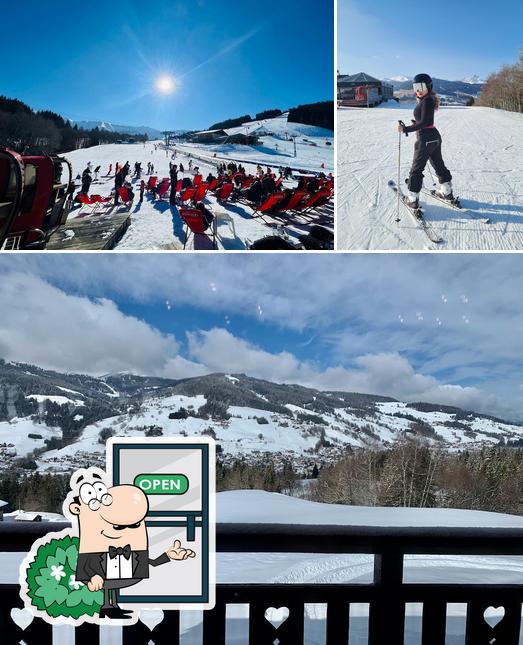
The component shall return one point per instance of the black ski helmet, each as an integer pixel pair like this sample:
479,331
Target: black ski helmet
423,78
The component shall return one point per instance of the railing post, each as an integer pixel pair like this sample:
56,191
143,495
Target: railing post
38,632
291,632
214,622
167,632
506,632
338,622
387,612
434,622
87,634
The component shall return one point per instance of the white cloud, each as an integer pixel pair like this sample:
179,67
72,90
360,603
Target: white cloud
457,318
383,373
41,324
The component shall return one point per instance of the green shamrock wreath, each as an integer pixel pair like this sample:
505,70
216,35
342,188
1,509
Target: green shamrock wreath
51,581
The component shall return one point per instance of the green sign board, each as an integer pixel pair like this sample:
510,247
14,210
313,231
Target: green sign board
162,484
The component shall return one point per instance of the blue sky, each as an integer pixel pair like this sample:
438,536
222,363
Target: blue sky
439,328
99,60
446,39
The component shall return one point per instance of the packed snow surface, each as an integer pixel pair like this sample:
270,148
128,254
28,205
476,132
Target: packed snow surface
256,506
482,149
156,225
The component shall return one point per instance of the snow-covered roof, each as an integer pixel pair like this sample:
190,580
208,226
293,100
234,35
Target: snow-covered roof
208,132
361,77
31,516
260,507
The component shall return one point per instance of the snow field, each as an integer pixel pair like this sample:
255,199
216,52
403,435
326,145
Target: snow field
156,225
481,147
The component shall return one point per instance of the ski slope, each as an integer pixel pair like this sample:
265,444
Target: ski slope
158,225
481,147
314,146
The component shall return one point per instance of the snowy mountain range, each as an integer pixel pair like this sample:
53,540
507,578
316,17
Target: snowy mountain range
124,129
474,80
452,92
66,418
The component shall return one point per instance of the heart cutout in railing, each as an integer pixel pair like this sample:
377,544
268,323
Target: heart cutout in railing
151,617
21,617
276,617
494,615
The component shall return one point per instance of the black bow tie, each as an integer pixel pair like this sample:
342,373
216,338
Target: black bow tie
125,551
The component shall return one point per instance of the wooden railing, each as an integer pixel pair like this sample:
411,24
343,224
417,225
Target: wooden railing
386,595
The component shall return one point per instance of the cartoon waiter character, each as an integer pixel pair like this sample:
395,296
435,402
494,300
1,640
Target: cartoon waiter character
113,546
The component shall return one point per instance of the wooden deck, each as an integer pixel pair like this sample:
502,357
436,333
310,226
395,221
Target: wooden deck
92,233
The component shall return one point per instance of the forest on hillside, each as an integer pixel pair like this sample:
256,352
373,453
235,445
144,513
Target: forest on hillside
27,131
504,89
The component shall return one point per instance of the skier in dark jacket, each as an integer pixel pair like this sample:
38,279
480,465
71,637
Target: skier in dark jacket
268,184
428,143
86,181
118,183
174,181
255,192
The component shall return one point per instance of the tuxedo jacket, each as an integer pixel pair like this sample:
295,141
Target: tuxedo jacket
91,564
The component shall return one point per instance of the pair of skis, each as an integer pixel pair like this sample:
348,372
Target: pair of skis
417,214
455,204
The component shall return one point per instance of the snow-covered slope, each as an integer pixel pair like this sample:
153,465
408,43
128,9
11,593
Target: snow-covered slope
314,145
481,147
123,129
304,434
157,225
261,507
247,416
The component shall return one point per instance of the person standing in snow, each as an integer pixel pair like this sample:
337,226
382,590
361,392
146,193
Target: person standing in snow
174,181
428,143
110,169
86,181
142,190
96,171
118,183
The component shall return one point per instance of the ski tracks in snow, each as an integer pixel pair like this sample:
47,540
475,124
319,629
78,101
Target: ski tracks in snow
480,147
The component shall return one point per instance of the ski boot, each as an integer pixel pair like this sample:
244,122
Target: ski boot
412,200
445,192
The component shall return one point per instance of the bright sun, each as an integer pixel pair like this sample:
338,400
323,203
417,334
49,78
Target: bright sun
165,84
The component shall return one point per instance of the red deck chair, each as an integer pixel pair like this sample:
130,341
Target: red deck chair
213,184
187,194
179,186
102,201
248,181
152,182
123,193
330,184
85,200
196,224
200,193
163,188
197,180
297,198
316,200
279,182
224,193
268,204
